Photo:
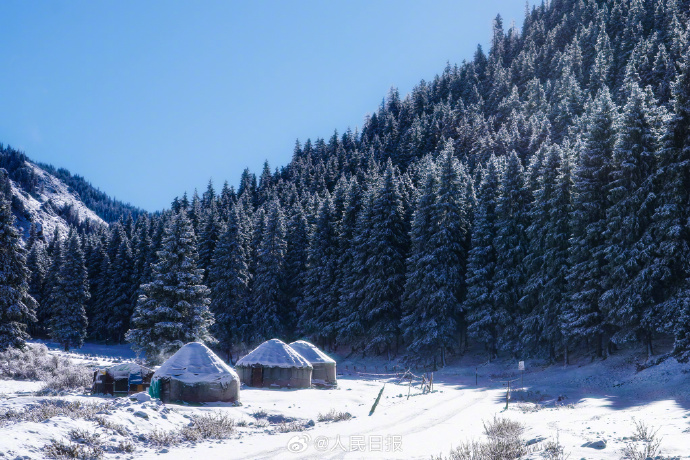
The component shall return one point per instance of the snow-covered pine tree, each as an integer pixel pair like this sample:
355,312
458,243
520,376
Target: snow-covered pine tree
388,244
510,244
141,249
229,282
296,255
210,233
38,263
16,304
548,235
481,262
318,309
122,290
586,279
100,298
68,322
417,325
268,297
174,308
669,274
436,266
629,302
353,274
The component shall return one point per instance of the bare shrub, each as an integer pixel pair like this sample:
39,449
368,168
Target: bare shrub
47,409
472,450
125,447
162,438
645,443
553,450
334,416
505,443
85,437
64,450
35,363
503,428
261,423
215,425
109,425
288,427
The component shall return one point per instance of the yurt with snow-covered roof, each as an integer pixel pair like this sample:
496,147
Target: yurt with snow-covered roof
324,365
195,374
274,364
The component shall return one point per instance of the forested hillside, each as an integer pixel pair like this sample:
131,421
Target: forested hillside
33,180
532,200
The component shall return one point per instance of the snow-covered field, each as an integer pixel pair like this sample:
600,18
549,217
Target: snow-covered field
581,404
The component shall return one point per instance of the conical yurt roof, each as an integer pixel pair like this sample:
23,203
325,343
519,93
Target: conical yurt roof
195,362
274,353
310,352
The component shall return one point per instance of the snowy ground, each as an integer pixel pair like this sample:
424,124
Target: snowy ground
583,403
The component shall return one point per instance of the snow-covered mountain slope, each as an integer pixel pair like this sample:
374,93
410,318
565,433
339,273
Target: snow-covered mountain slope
51,205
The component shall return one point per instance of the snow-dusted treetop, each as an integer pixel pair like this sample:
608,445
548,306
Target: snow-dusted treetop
310,352
195,362
274,353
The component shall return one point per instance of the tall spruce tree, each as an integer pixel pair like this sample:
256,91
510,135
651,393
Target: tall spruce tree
268,297
481,262
229,282
628,302
669,273
174,308
436,266
68,321
318,309
510,244
16,304
385,266
588,245
38,263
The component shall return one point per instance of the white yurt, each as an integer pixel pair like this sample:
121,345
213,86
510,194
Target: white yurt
324,365
195,374
274,364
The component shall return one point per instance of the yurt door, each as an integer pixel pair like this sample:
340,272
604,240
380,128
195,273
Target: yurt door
257,376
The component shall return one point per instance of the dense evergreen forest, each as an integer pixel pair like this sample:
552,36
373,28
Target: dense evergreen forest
533,200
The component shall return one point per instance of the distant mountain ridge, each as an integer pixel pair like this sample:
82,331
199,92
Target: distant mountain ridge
54,198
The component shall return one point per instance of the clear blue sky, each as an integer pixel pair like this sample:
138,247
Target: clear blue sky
147,99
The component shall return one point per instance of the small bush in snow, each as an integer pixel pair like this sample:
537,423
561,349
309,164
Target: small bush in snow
125,447
35,363
288,427
503,428
505,443
110,425
334,416
85,437
216,425
553,450
64,450
47,409
645,443
162,438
